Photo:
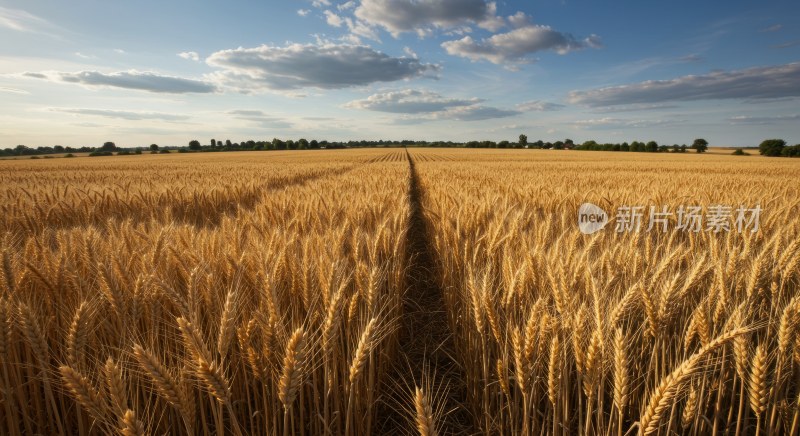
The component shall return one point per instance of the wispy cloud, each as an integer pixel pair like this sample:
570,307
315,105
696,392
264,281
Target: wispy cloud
22,21
787,44
753,83
409,101
539,106
773,28
763,120
616,123
137,80
419,106
124,115
13,90
260,118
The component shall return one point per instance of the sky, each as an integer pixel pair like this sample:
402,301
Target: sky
84,72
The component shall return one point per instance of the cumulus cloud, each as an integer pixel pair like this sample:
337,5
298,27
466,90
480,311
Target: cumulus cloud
409,101
516,46
190,55
333,20
138,80
539,106
124,115
323,65
399,16
753,83
303,12
346,5
420,106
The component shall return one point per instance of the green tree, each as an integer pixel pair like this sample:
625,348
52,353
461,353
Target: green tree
523,140
303,144
153,147
700,145
772,147
194,144
651,147
213,142
108,146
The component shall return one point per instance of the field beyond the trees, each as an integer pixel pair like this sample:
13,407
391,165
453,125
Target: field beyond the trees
400,291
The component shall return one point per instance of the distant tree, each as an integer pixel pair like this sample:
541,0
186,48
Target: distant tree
58,148
683,148
503,144
314,144
194,144
651,147
558,145
153,147
303,144
568,144
700,145
523,140
228,143
213,142
739,152
772,147
791,151
108,146
547,145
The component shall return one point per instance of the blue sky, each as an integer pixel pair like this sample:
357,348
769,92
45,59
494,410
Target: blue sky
84,72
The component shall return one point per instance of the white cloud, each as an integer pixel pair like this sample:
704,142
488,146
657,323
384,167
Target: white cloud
539,106
346,5
84,56
333,19
409,101
764,120
190,55
516,46
125,115
399,16
13,90
21,21
260,118
616,123
320,3
119,51
421,106
323,65
303,12
138,80
773,28
753,83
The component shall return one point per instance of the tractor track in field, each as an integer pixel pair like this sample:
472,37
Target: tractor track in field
426,349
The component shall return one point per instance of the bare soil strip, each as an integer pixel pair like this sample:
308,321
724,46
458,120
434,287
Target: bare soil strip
425,348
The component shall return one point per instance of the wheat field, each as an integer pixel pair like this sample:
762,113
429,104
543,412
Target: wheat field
385,291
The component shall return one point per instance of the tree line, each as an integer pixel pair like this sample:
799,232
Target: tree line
769,147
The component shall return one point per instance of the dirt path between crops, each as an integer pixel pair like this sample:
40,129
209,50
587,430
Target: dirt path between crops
425,341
